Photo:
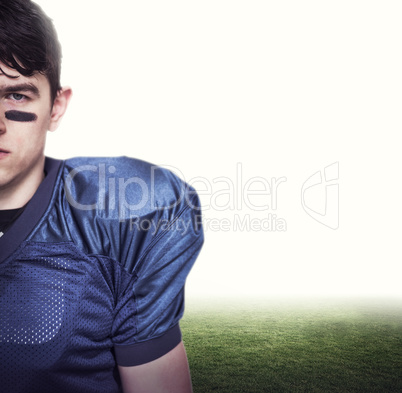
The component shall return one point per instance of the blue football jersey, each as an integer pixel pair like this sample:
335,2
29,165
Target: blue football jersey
92,274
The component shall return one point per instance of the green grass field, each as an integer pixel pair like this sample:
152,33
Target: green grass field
294,346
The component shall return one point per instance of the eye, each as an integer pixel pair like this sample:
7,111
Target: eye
17,96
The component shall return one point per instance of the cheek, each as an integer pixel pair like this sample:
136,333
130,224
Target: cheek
27,122
28,136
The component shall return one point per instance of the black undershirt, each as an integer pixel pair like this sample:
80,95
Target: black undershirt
7,218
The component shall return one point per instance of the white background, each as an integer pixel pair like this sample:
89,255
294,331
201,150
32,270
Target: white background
283,89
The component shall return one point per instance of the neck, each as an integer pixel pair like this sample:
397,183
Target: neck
19,193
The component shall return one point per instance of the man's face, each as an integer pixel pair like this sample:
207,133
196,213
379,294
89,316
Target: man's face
25,117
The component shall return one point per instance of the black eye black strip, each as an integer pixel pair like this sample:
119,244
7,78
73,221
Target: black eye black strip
21,116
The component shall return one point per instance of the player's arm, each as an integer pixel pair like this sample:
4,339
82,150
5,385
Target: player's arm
167,374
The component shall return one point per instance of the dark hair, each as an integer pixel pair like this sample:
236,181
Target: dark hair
28,42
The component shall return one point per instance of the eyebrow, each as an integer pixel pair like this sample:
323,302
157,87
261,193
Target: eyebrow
24,87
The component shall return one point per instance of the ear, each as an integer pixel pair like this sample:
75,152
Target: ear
59,107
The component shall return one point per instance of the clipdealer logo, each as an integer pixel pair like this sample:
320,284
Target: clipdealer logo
232,196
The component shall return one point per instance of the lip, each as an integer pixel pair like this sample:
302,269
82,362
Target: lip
3,153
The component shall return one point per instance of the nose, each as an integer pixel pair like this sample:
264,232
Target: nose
2,124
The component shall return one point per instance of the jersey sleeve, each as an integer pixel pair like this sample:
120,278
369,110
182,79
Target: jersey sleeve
151,300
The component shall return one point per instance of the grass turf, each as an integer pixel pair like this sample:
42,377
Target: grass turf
303,346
